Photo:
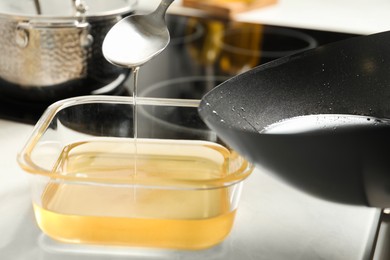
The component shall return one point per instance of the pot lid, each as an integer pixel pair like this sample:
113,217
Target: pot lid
64,8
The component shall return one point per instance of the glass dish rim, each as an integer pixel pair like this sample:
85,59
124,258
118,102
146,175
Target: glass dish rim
42,124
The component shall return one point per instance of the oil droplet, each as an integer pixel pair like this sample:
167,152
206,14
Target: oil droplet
243,109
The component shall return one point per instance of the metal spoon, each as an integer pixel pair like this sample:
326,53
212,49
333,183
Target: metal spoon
136,39
38,6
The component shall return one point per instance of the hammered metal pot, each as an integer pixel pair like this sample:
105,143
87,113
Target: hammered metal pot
52,49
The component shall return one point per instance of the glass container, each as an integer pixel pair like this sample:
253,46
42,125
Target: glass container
176,185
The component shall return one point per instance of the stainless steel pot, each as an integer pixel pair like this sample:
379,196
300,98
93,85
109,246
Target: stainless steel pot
51,49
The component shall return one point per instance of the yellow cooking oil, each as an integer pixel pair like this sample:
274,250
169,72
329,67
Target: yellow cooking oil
164,204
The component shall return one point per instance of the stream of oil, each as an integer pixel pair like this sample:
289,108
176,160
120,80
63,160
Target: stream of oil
135,116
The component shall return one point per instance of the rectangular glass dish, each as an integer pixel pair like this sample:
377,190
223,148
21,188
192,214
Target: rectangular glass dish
177,185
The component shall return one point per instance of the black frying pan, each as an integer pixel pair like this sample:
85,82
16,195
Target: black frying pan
344,164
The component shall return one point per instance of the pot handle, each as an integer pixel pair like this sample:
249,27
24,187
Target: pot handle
24,28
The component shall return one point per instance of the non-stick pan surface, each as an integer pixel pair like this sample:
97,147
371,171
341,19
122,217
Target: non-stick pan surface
351,77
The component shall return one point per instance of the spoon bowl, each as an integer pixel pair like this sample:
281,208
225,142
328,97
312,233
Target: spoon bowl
136,39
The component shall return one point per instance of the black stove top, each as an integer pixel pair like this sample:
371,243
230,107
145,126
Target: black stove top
202,53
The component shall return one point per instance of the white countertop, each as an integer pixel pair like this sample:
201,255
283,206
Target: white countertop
350,16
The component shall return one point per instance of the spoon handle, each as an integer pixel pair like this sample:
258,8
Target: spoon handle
162,8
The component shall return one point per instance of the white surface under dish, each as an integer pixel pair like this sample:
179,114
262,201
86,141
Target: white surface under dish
275,222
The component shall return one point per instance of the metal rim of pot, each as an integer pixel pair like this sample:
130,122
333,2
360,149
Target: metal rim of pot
26,22
98,15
